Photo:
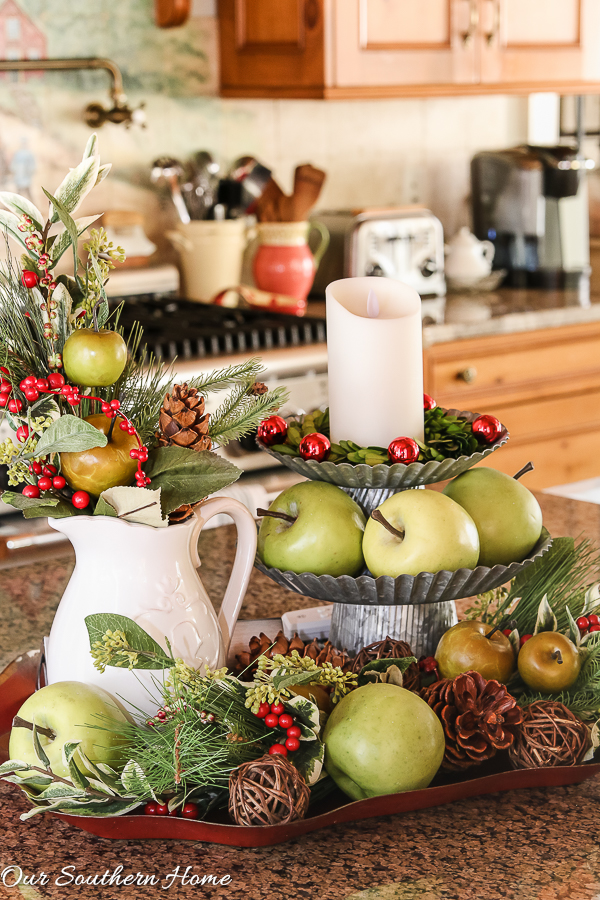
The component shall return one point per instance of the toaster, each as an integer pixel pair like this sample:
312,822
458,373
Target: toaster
406,243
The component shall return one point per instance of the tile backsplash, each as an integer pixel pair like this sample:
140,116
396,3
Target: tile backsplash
377,152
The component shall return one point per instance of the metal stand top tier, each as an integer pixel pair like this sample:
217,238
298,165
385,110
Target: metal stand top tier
393,478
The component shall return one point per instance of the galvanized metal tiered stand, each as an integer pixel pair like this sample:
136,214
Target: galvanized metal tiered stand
417,609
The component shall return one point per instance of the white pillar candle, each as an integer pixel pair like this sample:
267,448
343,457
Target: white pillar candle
375,361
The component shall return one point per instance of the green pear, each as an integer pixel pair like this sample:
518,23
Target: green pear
382,739
507,515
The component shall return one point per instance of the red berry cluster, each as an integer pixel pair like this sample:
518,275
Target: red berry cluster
524,639
31,387
588,624
188,810
275,716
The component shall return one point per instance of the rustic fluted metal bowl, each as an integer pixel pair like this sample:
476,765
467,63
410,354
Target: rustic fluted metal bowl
394,477
427,587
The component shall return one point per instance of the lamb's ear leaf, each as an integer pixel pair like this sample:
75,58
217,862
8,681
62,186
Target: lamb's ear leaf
21,206
574,632
546,620
73,188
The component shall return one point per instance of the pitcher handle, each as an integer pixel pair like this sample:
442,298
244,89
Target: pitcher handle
244,557
323,241
488,250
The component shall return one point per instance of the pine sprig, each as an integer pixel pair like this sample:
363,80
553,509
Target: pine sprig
219,379
562,574
242,412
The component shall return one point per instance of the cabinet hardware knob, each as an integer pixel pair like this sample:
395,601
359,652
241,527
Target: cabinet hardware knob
491,35
468,375
469,34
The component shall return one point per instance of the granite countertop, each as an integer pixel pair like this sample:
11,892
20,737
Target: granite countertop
525,845
504,311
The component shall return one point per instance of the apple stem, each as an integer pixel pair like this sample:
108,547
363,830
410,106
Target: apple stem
275,515
528,467
111,427
18,722
493,631
557,655
376,514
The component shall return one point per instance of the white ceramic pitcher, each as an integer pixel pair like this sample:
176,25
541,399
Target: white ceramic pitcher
148,574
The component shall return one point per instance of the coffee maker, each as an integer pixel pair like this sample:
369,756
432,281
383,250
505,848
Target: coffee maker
532,203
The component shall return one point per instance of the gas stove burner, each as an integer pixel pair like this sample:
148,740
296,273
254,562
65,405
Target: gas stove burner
186,330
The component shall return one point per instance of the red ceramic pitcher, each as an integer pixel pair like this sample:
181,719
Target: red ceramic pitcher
284,263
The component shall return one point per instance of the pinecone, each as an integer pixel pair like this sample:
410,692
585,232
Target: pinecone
262,645
389,649
479,718
183,422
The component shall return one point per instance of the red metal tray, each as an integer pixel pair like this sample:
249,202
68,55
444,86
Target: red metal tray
18,682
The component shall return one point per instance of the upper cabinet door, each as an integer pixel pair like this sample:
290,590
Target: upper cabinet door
416,42
272,48
545,41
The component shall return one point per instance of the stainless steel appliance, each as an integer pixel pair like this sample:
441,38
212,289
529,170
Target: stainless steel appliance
532,203
406,243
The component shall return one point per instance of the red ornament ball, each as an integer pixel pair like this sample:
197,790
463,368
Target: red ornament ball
263,710
15,406
80,499
272,431
294,731
150,808
428,402
162,809
314,446
285,721
32,491
507,631
594,628
59,482
292,744
403,450
271,721
277,708
487,428
593,619
22,433
44,483
190,811
582,623
524,639
278,750
29,279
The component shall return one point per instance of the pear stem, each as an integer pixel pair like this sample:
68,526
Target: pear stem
275,515
493,631
528,467
377,515
18,722
557,655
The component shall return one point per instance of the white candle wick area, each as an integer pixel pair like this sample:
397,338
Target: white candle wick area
372,305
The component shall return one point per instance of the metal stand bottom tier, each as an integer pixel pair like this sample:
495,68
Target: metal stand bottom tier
353,627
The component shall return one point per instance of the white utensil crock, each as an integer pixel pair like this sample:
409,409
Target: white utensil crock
211,255
148,574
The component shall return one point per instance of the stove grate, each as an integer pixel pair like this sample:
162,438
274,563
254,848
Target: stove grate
180,328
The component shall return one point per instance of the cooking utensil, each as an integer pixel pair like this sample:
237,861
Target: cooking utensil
166,170
254,178
308,182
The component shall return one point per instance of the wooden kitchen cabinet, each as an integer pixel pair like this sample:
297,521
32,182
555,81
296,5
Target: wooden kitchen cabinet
382,48
543,385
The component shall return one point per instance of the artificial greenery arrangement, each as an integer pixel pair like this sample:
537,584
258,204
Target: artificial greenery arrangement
446,437
557,596
207,724
98,420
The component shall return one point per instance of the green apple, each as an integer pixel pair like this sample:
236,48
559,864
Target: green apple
94,358
321,533
101,468
382,739
507,515
434,535
72,711
466,648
